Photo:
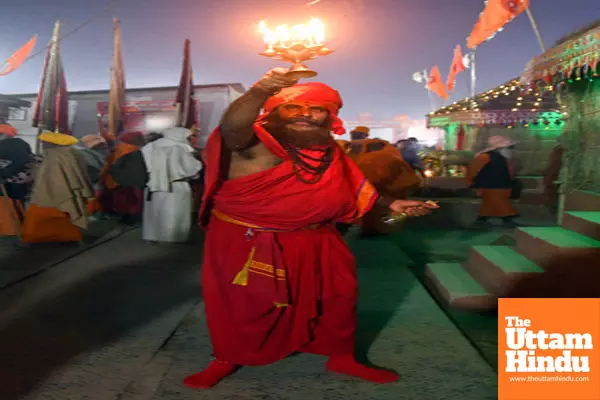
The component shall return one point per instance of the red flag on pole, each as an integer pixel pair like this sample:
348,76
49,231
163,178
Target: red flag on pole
19,57
52,104
456,68
436,84
116,97
187,115
495,15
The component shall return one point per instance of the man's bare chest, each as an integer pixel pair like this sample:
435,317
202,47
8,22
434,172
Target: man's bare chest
252,160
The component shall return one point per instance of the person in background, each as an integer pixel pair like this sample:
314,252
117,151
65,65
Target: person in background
360,132
58,208
7,130
95,151
153,136
197,184
552,174
491,174
170,163
17,167
410,154
383,165
125,202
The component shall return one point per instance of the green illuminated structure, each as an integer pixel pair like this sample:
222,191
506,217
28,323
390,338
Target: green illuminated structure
571,70
528,116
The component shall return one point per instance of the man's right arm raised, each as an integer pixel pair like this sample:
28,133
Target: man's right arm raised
236,124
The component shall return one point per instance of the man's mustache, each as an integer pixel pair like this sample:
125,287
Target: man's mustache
303,120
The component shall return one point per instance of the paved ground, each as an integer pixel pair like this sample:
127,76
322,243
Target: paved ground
18,261
124,321
84,328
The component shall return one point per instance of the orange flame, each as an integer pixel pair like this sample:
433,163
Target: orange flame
311,34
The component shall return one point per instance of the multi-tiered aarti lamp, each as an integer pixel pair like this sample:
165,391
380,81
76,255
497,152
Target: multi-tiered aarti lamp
296,45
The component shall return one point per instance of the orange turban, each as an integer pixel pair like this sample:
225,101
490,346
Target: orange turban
312,92
8,130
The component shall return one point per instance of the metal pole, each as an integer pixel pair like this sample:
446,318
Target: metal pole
431,102
473,75
535,29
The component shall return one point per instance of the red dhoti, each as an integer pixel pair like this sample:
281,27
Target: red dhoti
248,327
277,277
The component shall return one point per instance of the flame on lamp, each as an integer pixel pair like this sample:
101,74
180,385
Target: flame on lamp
311,34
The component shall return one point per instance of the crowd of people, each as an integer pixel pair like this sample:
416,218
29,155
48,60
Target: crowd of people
137,178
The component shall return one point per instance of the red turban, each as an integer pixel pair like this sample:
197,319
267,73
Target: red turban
312,92
132,137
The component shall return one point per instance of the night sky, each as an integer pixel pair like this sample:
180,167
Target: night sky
378,43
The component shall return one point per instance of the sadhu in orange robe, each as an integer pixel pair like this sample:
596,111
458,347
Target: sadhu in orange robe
491,174
16,165
277,277
57,211
385,168
114,198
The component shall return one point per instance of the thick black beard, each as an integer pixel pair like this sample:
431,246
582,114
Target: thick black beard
281,130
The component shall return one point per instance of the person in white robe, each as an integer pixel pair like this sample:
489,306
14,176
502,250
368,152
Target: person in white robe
170,164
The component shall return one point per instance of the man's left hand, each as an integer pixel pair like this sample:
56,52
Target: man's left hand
413,208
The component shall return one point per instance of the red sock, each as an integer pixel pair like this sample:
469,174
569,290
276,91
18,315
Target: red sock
348,365
213,374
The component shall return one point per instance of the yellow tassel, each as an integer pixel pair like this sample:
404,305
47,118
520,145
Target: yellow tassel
242,277
280,305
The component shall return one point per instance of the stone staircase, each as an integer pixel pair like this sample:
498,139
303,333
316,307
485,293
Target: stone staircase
477,283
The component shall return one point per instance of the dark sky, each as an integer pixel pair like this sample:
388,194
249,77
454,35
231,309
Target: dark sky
378,43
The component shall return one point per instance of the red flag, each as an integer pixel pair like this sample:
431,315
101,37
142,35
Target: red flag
116,96
435,83
495,15
187,115
457,67
19,57
52,104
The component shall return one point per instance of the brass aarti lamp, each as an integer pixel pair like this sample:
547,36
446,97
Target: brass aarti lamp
296,45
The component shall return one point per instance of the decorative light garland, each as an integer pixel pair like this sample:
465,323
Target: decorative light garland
575,60
528,108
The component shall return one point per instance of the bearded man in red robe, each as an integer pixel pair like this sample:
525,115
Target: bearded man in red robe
277,277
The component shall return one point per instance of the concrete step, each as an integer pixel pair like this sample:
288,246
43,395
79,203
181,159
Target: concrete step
494,267
540,243
453,285
532,182
585,222
532,196
583,200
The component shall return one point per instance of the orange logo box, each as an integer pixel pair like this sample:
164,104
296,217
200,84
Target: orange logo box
549,349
